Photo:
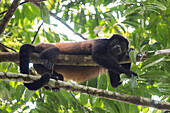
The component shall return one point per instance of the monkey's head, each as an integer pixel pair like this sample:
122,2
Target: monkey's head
118,44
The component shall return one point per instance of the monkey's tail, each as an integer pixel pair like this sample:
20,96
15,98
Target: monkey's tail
24,57
38,83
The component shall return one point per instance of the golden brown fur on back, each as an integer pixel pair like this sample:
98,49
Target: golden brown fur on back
79,73
83,48
76,73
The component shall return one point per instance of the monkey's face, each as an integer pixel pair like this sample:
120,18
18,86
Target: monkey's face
118,47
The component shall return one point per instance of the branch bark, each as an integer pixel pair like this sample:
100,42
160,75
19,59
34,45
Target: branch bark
75,60
136,100
7,17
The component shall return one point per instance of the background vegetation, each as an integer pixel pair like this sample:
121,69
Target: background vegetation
144,22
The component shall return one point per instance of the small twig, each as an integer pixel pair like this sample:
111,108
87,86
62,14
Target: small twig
78,102
9,67
37,33
4,47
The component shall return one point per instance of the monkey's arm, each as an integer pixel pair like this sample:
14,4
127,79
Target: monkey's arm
100,55
109,64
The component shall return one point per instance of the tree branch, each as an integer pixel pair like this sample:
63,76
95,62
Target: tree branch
9,14
74,60
136,100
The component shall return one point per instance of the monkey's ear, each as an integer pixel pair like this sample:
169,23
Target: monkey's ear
116,36
120,38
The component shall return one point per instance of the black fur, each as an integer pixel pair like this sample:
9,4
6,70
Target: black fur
46,70
109,58
24,57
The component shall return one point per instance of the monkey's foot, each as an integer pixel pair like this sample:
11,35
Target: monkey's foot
57,76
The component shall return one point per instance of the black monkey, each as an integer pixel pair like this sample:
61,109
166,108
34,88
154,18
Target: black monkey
105,52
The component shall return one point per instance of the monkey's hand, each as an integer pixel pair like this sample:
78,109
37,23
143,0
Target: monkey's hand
130,73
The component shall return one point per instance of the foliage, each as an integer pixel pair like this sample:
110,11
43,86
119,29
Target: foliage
144,22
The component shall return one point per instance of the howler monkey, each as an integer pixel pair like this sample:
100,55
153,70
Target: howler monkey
105,52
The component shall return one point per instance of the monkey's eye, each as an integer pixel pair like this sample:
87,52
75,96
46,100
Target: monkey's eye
114,42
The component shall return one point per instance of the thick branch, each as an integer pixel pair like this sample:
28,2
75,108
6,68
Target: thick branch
75,60
137,100
7,17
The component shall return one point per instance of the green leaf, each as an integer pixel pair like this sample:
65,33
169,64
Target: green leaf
133,82
27,12
154,74
159,5
57,37
110,105
163,33
45,108
133,109
45,13
69,98
92,82
19,92
131,23
56,25
49,37
167,66
132,55
84,99
102,84
152,61
98,110
28,94
62,99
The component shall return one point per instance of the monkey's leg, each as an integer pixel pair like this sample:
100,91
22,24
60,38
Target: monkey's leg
24,57
48,56
42,69
114,78
46,70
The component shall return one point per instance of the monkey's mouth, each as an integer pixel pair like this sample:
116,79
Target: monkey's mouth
116,49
